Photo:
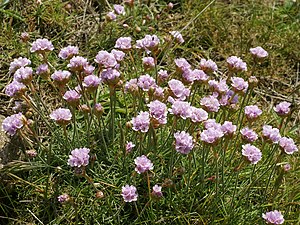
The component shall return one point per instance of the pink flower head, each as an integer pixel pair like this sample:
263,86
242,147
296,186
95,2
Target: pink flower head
156,191
41,46
91,82
208,66
13,123
287,167
145,82
88,69
198,115
148,62
131,86
63,198
129,193
61,77
106,59
111,16
23,75
77,63
211,135
141,122
18,63
228,128
182,65
119,10
42,69
283,108
183,142
119,55
211,123
220,87
288,145
163,75
259,52
236,64
239,84
252,153
143,164
79,157
188,76
72,97
177,35
129,146
248,134
158,92
210,103
15,89
123,43
181,108
273,217
110,76
228,100
199,76
68,52
148,43
61,116
158,111
178,89
270,133
252,112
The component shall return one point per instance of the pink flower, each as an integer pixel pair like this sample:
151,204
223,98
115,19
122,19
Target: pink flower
131,86
105,59
271,134
119,55
259,52
182,109
220,87
182,65
177,35
198,115
208,66
13,123
211,135
79,157
252,153
252,112
15,89
239,84
61,77
178,89
163,75
248,134
288,145
141,122
236,64
77,63
183,142
41,46
119,10
129,193
210,103
123,43
273,217
61,116
228,128
145,82
283,108
110,76
18,63
157,191
68,52
63,198
143,164
148,62
199,76
72,97
158,111
148,43
23,75
129,146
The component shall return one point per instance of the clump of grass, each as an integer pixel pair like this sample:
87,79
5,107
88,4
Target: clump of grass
203,181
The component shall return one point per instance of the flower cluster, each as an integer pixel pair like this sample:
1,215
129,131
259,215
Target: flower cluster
79,157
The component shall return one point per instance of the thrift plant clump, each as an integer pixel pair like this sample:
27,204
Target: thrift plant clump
137,131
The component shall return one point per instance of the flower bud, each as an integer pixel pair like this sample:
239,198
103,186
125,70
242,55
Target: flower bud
99,194
25,37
